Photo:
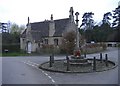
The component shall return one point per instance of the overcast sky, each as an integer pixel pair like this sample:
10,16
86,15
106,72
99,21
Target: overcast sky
38,10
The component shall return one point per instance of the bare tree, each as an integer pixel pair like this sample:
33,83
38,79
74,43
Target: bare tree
68,42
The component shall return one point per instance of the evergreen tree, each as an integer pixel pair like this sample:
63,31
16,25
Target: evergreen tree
116,23
106,18
116,17
87,21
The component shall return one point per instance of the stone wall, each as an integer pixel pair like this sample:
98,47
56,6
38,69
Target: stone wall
93,48
22,44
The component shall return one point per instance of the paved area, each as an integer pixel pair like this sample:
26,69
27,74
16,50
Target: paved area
24,70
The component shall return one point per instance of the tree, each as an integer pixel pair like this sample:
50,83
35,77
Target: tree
116,23
87,21
4,27
89,35
116,17
106,18
68,42
99,33
11,41
96,33
16,29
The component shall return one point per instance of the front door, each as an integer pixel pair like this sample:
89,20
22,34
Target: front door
29,47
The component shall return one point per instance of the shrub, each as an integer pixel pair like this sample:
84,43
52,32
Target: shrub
68,42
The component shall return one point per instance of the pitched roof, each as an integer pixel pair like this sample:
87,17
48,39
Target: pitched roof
41,29
60,26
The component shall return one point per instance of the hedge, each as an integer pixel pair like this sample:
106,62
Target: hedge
11,48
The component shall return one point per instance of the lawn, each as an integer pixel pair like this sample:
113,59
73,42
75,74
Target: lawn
14,54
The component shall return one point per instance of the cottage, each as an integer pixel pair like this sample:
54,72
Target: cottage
48,32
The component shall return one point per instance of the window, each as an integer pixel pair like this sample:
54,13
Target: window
56,41
23,40
46,41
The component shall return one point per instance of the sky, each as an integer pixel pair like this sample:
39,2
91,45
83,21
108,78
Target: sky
17,11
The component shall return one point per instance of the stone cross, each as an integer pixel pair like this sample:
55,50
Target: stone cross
77,31
28,20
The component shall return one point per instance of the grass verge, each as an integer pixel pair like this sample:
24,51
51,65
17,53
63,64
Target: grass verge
14,54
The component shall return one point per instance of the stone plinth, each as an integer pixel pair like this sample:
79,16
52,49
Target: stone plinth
79,61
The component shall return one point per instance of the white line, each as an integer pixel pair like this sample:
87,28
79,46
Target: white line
30,64
53,81
35,65
42,71
33,62
46,74
50,77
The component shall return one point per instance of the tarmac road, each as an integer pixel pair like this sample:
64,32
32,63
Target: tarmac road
24,70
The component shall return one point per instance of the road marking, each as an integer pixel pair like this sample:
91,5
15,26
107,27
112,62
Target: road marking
35,65
53,81
50,77
42,71
46,74
30,64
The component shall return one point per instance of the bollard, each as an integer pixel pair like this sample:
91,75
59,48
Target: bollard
67,57
85,55
50,62
94,64
52,58
106,59
101,57
68,64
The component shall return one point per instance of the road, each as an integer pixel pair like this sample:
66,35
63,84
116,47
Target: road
24,70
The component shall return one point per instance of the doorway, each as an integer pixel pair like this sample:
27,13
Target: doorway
29,47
